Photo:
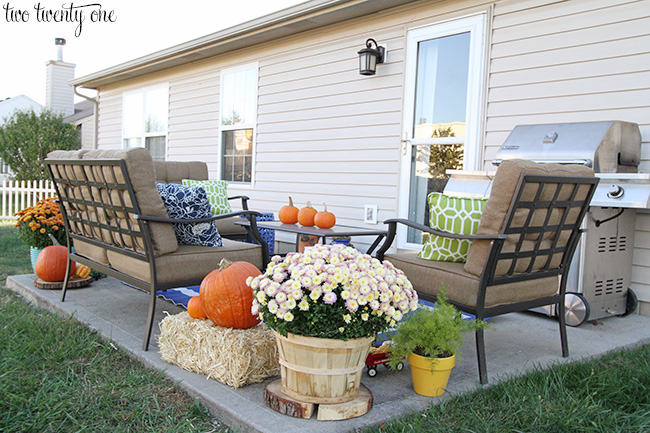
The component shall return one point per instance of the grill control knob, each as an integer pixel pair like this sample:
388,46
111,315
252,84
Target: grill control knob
615,191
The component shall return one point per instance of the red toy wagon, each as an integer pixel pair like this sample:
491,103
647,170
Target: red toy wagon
379,355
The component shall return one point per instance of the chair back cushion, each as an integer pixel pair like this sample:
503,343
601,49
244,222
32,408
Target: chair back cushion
493,219
98,201
176,171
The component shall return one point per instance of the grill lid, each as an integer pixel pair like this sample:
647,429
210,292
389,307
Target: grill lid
607,147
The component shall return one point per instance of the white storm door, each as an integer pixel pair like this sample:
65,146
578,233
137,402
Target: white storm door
443,93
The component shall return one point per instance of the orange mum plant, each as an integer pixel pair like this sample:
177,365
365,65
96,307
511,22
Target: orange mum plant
36,223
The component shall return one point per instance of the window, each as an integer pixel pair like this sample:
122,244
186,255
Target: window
238,122
442,111
145,120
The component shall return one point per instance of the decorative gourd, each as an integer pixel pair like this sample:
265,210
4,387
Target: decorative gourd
306,215
288,214
83,271
226,298
195,308
51,263
324,219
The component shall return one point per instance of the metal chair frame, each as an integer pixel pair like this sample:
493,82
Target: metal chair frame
99,179
497,255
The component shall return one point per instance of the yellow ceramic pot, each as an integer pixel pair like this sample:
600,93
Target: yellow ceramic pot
430,380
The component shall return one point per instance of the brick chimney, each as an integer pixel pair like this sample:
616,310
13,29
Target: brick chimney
59,96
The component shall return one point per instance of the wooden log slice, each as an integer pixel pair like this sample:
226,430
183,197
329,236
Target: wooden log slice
73,283
282,403
361,405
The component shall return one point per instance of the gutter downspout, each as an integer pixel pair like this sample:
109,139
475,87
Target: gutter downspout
95,112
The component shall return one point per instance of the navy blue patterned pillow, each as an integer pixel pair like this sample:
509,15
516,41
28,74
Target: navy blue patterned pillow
185,202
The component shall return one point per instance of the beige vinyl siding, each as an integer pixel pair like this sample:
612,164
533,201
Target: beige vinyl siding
193,131
573,61
326,134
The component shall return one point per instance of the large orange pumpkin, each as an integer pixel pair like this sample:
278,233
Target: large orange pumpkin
306,215
288,214
51,263
195,308
226,298
324,219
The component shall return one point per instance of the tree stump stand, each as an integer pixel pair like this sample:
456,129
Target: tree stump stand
282,403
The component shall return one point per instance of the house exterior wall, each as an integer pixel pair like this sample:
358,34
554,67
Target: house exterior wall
87,131
326,134
574,61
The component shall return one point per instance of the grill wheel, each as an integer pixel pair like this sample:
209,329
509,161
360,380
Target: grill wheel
576,309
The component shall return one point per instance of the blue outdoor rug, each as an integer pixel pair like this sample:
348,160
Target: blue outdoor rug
180,295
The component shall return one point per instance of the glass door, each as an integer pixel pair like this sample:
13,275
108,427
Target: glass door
443,94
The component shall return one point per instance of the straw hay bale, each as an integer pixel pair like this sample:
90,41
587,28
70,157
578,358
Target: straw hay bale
235,357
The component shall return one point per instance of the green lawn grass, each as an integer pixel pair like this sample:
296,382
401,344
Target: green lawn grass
58,376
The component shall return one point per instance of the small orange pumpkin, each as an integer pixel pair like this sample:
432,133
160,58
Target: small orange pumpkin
51,263
195,308
324,219
83,271
306,215
288,214
226,298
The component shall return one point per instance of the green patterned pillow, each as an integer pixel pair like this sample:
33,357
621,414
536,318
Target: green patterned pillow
217,191
459,215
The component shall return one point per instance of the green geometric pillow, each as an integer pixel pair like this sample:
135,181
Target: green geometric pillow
217,194
458,215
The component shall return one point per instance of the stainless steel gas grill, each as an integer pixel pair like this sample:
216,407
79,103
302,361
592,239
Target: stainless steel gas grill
600,274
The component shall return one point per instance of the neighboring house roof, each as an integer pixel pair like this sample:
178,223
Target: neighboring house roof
82,110
20,102
299,18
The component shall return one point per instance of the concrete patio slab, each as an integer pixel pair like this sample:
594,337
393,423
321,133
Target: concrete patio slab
515,343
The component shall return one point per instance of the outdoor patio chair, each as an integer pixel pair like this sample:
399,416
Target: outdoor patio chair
521,254
115,217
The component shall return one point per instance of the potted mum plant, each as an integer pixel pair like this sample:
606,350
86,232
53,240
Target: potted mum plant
36,224
329,301
430,339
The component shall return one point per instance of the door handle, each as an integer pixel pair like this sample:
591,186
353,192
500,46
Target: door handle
405,141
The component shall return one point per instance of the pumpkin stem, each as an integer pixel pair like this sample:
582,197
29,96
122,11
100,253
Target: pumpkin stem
290,202
308,204
53,239
324,207
224,263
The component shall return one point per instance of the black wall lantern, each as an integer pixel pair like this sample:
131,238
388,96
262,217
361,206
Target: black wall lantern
369,57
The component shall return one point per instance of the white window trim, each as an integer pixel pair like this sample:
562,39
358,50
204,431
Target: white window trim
143,91
476,25
250,125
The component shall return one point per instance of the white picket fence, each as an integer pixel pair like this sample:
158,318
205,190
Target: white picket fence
15,196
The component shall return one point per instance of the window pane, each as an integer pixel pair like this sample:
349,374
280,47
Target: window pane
428,174
156,110
239,97
132,142
237,155
156,146
441,85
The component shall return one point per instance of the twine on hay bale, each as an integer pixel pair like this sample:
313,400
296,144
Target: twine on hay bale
235,357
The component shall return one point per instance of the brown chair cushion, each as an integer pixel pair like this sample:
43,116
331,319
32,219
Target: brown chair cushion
503,190
461,286
188,262
176,171
139,165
